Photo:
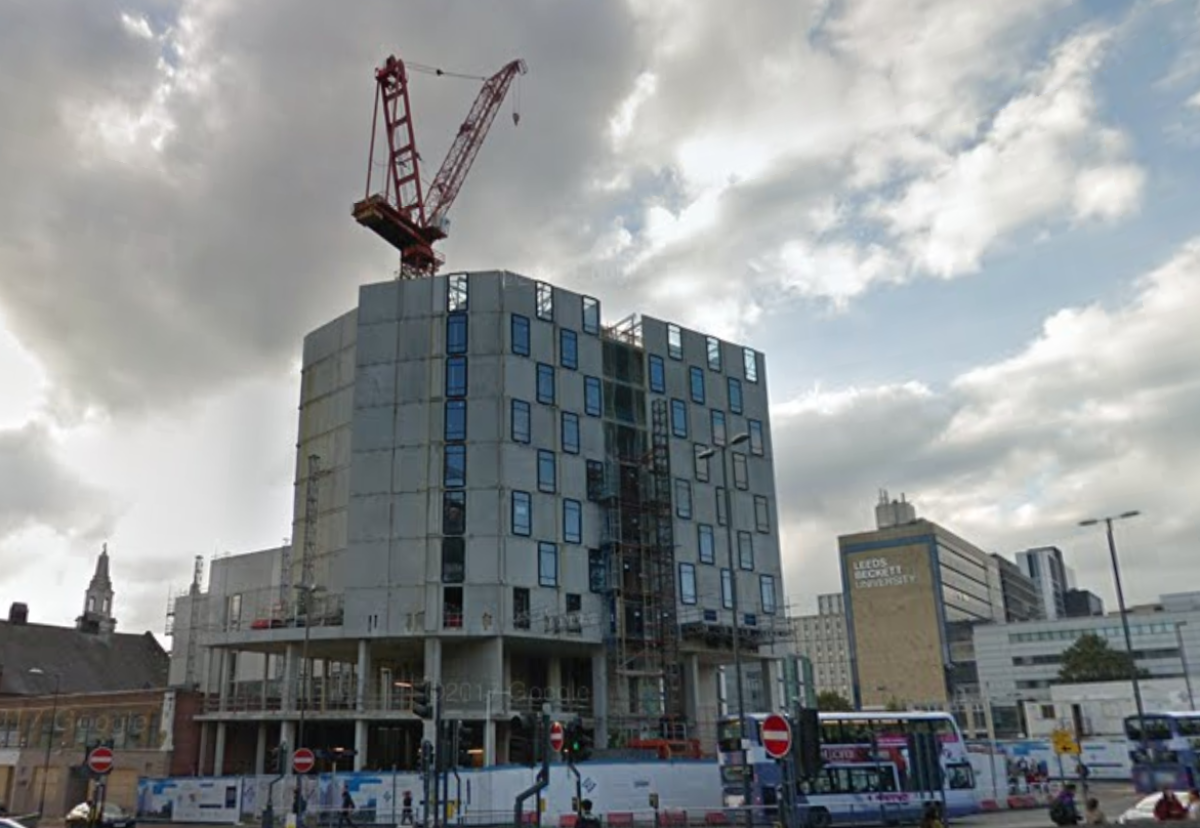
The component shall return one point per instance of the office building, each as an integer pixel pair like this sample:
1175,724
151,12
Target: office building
498,492
1079,603
1022,600
1044,566
823,640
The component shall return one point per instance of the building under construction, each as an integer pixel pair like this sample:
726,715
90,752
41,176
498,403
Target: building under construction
497,491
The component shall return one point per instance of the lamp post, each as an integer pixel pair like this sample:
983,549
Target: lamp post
38,671
1187,674
733,603
1116,567
307,591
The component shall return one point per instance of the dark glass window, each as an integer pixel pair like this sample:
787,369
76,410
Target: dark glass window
741,473
720,493
718,427
593,401
735,395
595,480
456,377
756,437
762,514
547,564
454,470
745,543
547,471
714,353
522,514
570,432
572,521
545,384
674,342
726,589
568,346
521,614
574,602
687,583
766,593
696,379
522,428
679,419
452,607
683,499
597,571
699,463
456,420
454,512
707,543
591,315
520,335
453,560
545,301
456,333
658,374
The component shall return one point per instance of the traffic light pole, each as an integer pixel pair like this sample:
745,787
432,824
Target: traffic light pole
543,777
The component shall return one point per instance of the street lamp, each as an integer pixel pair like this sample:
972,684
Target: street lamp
1187,674
38,671
1116,567
733,601
307,590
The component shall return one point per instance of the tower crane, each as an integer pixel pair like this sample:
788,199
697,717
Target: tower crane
399,209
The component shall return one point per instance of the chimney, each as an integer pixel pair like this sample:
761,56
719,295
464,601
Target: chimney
18,613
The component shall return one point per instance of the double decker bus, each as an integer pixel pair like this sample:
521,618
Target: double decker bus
1169,754
867,773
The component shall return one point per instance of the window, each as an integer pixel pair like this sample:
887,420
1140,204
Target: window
766,593
706,543
595,480
674,342
454,469
745,543
572,521
591,315
762,514
521,612
592,399
456,377
452,607
597,571
756,437
570,432
545,384
683,499
454,513
520,335
522,514
456,420
453,560
456,333
741,475
568,348
521,427
721,506
547,471
679,419
718,427
735,395
456,293
714,353
726,589
658,374
700,464
750,364
687,583
696,384
547,564
545,301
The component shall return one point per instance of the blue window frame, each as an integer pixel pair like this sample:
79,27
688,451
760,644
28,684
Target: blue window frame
735,395
726,589
756,437
750,364
454,512
766,593
568,348
547,564
545,301
455,428
706,543
547,471
674,342
679,418
570,432
572,521
593,401
454,467
457,292
687,583
545,384
522,514
745,543
520,335
696,384
658,374
718,427
591,315
683,498
456,333
456,376
522,428
713,347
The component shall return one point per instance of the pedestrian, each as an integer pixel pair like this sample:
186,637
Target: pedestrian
406,813
1063,811
586,818
932,816
1092,815
345,818
1169,808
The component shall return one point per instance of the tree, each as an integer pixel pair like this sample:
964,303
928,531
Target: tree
1091,658
830,701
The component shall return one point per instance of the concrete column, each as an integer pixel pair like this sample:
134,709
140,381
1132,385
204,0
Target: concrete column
291,671
260,750
600,699
495,700
223,679
363,698
202,756
219,755
287,733
553,690
691,689
360,744
433,672
266,678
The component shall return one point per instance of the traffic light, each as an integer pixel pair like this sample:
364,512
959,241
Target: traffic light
423,700
524,746
806,743
577,745
426,759
464,741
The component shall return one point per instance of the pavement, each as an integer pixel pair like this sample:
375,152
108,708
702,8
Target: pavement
1115,798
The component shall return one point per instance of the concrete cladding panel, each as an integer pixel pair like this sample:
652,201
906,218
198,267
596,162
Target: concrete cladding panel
377,343
892,607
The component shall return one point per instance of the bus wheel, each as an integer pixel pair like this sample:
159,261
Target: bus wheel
819,818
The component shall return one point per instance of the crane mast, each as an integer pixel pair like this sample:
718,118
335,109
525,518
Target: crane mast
397,209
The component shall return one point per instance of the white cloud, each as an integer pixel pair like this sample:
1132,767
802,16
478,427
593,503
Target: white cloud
137,26
1194,100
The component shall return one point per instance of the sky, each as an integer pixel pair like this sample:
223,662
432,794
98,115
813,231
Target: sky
965,235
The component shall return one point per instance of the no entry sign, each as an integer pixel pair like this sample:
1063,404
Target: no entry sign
100,760
556,736
776,736
303,760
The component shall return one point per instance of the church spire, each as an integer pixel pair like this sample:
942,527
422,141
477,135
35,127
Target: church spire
98,600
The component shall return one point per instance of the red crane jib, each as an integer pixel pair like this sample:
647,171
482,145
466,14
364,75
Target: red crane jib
400,212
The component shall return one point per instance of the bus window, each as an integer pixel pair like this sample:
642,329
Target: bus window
731,774
960,776
1157,727
729,735
1188,726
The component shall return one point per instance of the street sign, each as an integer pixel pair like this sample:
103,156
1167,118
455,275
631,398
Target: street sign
1064,742
100,760
776,736
303,760
556,736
